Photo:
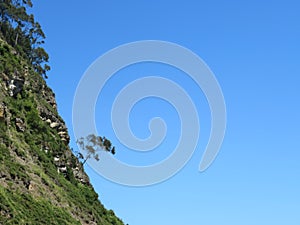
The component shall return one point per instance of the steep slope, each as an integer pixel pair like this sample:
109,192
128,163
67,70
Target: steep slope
41,182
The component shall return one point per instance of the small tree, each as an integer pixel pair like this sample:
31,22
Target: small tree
92,144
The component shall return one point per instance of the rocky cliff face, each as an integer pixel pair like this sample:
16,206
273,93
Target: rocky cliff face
41,182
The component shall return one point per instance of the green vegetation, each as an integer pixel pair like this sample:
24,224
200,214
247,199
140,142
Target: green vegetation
41,181
21,31
22,208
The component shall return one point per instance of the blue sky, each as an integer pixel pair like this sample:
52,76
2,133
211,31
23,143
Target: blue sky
253,49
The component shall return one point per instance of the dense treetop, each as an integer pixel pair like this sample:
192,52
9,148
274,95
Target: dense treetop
21,31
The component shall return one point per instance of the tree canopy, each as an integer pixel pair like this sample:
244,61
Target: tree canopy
21,31
92,145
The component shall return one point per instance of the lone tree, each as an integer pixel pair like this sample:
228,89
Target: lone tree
92,144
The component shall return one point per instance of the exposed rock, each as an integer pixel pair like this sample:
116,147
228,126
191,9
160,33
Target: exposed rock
32,186
56,159
55,122
80,175
46,149
62,169
20,125
26,71
5,214
46,114
64,136
49,96
54,125
2,111
52,102
62,133
15,86
13,51
62,127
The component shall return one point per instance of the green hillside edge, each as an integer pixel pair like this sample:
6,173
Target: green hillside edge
41,182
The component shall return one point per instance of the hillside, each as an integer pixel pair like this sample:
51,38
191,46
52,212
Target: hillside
41,181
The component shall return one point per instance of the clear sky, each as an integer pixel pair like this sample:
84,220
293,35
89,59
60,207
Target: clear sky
253,48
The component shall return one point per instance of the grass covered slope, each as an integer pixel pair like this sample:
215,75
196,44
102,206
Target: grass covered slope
41,182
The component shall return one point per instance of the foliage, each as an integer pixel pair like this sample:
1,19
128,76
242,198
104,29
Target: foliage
22,207
17,205
57,198
91,145
32,190
21,31
9,63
